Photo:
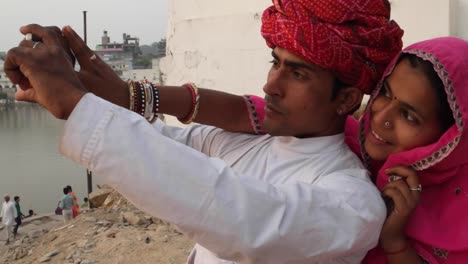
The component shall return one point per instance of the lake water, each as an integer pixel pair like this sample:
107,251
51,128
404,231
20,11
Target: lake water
30,164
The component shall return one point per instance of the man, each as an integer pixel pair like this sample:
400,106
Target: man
66,203
19,215
297,195
8,215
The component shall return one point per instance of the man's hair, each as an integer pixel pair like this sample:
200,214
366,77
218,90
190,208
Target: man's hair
445,112
65,190
16,198
69,188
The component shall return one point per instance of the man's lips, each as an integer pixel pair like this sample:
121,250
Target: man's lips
272,109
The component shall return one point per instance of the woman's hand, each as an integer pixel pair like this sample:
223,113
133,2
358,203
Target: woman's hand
404,191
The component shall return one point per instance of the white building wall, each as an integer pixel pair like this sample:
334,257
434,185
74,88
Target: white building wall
424,19
217,44
153,75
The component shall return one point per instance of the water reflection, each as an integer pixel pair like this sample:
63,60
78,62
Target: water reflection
30,164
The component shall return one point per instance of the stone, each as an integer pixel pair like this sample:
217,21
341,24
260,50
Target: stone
133,218
82,243
98,197
52,253
90,245
36,222
35,234
49,238
20,253
44,259
105,223
70,256
90,219
110,200
111,235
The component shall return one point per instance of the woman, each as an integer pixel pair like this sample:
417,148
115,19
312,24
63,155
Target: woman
76,206
415,118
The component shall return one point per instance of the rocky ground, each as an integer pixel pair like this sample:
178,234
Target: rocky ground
115,233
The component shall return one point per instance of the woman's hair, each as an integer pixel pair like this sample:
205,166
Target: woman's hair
445,114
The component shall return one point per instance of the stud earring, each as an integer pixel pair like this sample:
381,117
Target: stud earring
387,124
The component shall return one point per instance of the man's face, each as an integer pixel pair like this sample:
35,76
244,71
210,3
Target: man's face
299,98
7,198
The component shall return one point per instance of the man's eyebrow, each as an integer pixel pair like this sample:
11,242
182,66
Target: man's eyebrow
294,64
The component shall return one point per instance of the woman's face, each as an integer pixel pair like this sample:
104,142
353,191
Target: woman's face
404,115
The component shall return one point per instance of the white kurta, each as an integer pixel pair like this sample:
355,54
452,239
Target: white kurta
8,213
257,199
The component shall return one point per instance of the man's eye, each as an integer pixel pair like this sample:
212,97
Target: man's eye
298,75
385,91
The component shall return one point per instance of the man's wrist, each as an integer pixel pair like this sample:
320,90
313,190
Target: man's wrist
395,246
70,105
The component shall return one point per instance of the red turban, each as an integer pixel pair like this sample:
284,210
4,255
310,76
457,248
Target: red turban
354,39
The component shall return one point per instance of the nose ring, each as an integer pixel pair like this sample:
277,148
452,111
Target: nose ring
387,124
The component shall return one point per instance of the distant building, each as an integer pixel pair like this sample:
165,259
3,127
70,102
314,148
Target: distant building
7,88
120,56
152,75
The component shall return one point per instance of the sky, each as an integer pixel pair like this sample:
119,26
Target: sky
145,19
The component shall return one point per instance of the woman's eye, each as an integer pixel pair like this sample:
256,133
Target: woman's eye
408,116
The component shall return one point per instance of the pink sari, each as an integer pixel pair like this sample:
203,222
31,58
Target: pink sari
438,227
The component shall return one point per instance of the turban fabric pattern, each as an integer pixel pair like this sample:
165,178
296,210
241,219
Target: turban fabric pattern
354,39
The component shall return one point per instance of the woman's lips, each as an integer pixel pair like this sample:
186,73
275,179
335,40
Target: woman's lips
376,138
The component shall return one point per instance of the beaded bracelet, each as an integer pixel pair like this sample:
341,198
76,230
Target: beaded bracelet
155,109
131,89
144,99
149,100
140,100
195,103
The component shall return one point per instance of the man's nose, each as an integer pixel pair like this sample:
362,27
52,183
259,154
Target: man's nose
274,84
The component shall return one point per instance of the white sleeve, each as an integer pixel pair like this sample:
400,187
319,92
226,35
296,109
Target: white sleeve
209,140
234,217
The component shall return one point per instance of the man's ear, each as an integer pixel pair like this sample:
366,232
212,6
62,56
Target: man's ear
349,100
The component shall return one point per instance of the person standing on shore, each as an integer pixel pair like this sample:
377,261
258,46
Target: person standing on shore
19,216
76,206
66,203
8,215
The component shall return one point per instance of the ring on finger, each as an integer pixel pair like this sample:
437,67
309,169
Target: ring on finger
36,44
28,36
419,188
393,178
